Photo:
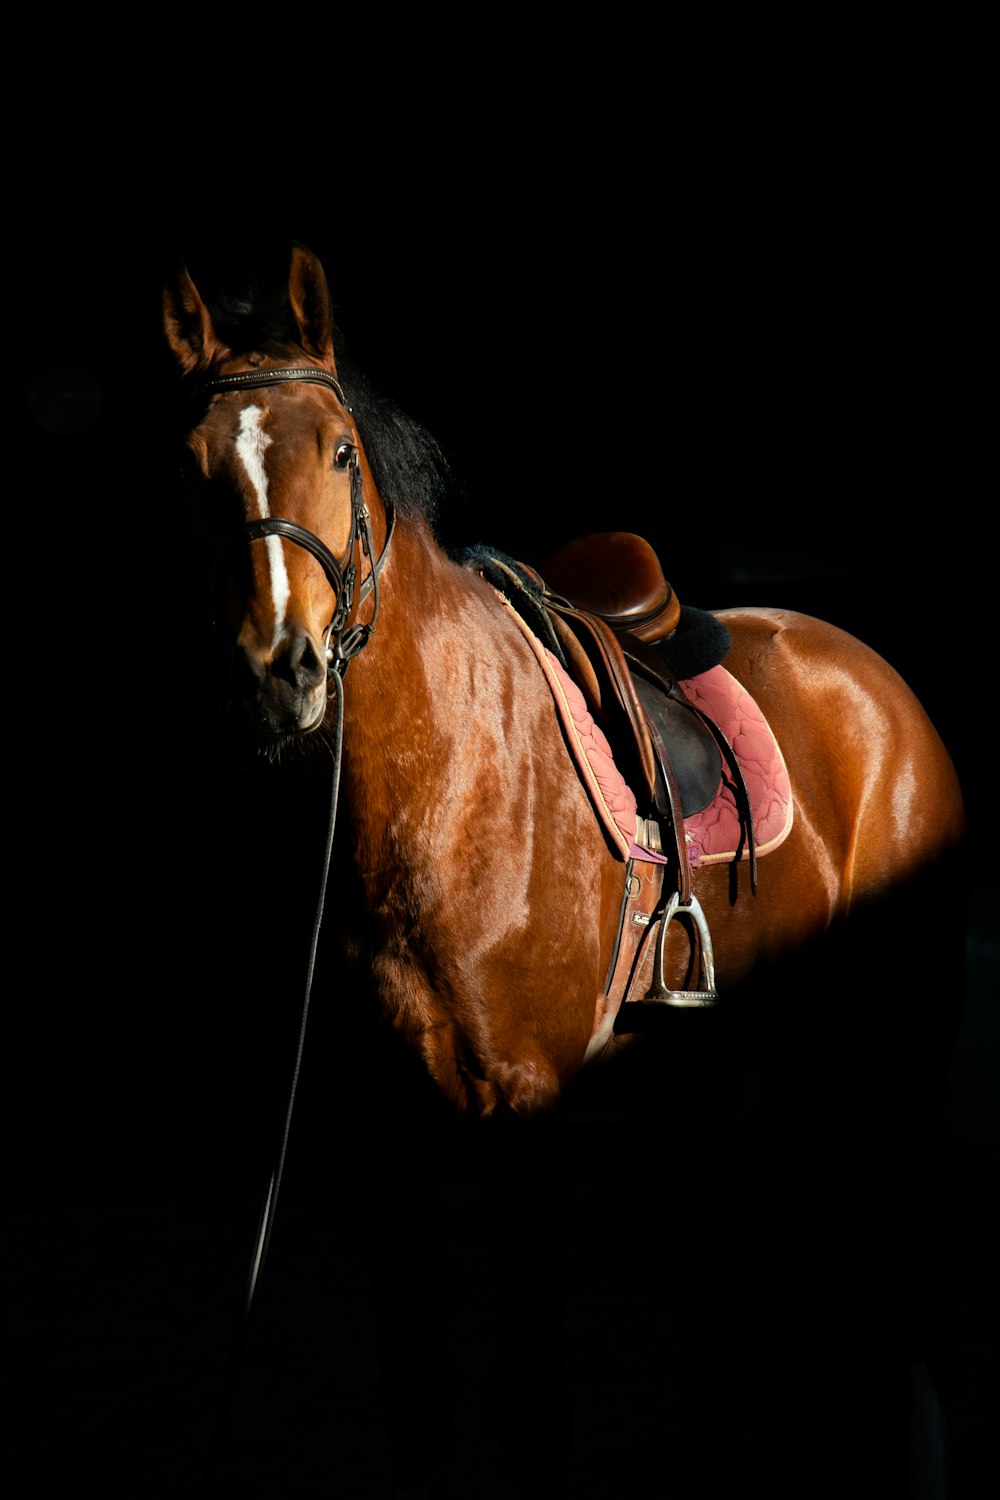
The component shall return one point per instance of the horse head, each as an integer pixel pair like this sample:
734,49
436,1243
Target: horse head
279,481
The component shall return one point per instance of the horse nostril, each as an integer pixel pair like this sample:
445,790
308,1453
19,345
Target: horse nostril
300,664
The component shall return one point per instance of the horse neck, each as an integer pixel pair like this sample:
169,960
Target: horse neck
422,702
431,615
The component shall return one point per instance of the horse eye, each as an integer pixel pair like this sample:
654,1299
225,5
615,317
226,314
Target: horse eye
343,455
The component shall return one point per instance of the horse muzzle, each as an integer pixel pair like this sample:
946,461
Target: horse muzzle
286,694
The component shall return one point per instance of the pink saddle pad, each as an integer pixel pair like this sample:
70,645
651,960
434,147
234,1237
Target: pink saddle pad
712,835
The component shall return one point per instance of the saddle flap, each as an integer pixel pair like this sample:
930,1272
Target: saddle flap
681,736
607,677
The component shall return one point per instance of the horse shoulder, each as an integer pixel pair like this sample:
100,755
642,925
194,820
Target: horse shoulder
495,875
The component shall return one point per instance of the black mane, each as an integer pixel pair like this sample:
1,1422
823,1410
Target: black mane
407,462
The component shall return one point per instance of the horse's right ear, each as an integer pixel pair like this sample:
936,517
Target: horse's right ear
187,324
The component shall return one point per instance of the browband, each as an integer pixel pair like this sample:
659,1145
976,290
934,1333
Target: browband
243,379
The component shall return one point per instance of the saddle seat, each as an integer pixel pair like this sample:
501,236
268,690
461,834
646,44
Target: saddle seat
616,575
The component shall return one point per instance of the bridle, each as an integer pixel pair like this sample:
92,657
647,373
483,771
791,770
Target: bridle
342,642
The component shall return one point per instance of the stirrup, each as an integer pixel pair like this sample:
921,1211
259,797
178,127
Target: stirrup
706,995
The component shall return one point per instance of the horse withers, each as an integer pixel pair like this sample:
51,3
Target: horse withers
465,981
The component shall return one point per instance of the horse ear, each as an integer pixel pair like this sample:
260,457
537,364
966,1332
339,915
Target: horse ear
309,296
187,324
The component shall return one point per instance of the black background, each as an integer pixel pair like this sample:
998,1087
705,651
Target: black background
748,329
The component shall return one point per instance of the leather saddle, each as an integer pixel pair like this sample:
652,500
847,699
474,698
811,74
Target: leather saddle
604,607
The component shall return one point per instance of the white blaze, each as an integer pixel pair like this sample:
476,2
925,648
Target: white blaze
251,445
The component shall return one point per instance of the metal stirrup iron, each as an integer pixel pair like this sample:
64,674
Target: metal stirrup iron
701,940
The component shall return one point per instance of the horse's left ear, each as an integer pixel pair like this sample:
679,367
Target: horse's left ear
309,296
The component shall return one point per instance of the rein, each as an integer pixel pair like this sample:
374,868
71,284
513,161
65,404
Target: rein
342,642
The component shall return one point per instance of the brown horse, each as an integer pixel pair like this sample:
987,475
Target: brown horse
494,958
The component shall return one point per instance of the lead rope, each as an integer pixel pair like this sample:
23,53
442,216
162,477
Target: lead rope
241,1335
